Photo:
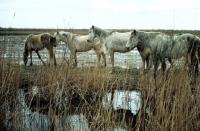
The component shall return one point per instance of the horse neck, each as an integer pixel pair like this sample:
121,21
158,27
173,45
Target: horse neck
102,34
141,35
145,36
67,38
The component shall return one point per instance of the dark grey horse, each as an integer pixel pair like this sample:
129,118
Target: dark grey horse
164,46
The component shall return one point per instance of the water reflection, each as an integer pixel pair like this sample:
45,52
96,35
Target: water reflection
129,100
36,121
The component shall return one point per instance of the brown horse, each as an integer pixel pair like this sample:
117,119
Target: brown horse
37,43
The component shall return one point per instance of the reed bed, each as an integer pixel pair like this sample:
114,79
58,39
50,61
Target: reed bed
171,105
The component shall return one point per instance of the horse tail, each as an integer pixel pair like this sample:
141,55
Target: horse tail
26,45
194,50
197,54
25,53
198,50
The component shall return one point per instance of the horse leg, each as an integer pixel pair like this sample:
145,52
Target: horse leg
163,66
170,61
39,57
25,59
55,60
51,56
112,60
75,59
149,61
143,66
104,58
187,63
148,64
195,65
71,62
73,56
99,58
198,54
156,64
143,60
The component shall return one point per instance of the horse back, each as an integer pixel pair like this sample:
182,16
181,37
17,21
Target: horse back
80,43
39,42
117,41
121,36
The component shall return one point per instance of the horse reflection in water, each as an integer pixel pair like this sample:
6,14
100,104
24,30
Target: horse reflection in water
37,43
164,46
115,42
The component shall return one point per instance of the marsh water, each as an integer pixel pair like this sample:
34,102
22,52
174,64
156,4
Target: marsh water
14,45
12,50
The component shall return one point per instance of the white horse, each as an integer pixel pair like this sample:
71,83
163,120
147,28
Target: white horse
78,43
115,42
164,46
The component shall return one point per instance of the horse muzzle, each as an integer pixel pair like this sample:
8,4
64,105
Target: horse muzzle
88,40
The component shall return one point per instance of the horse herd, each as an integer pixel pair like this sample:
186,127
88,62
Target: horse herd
154,47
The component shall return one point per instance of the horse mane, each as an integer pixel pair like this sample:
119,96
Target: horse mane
147,35
69,33
45,39
102,32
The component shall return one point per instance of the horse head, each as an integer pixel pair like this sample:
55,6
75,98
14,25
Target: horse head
91,34
132,41
57,37
61,36
53,41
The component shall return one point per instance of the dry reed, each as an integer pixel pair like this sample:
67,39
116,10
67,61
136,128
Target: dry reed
173,104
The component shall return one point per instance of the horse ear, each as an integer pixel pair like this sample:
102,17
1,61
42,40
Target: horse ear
188,38
92,26
134,32
57,33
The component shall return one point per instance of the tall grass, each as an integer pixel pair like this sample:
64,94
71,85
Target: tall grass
58,92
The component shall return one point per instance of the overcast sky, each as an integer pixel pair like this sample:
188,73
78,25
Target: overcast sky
107,14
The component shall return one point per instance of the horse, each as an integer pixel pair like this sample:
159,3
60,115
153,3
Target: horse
164,46
37,43
115,42
78,43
